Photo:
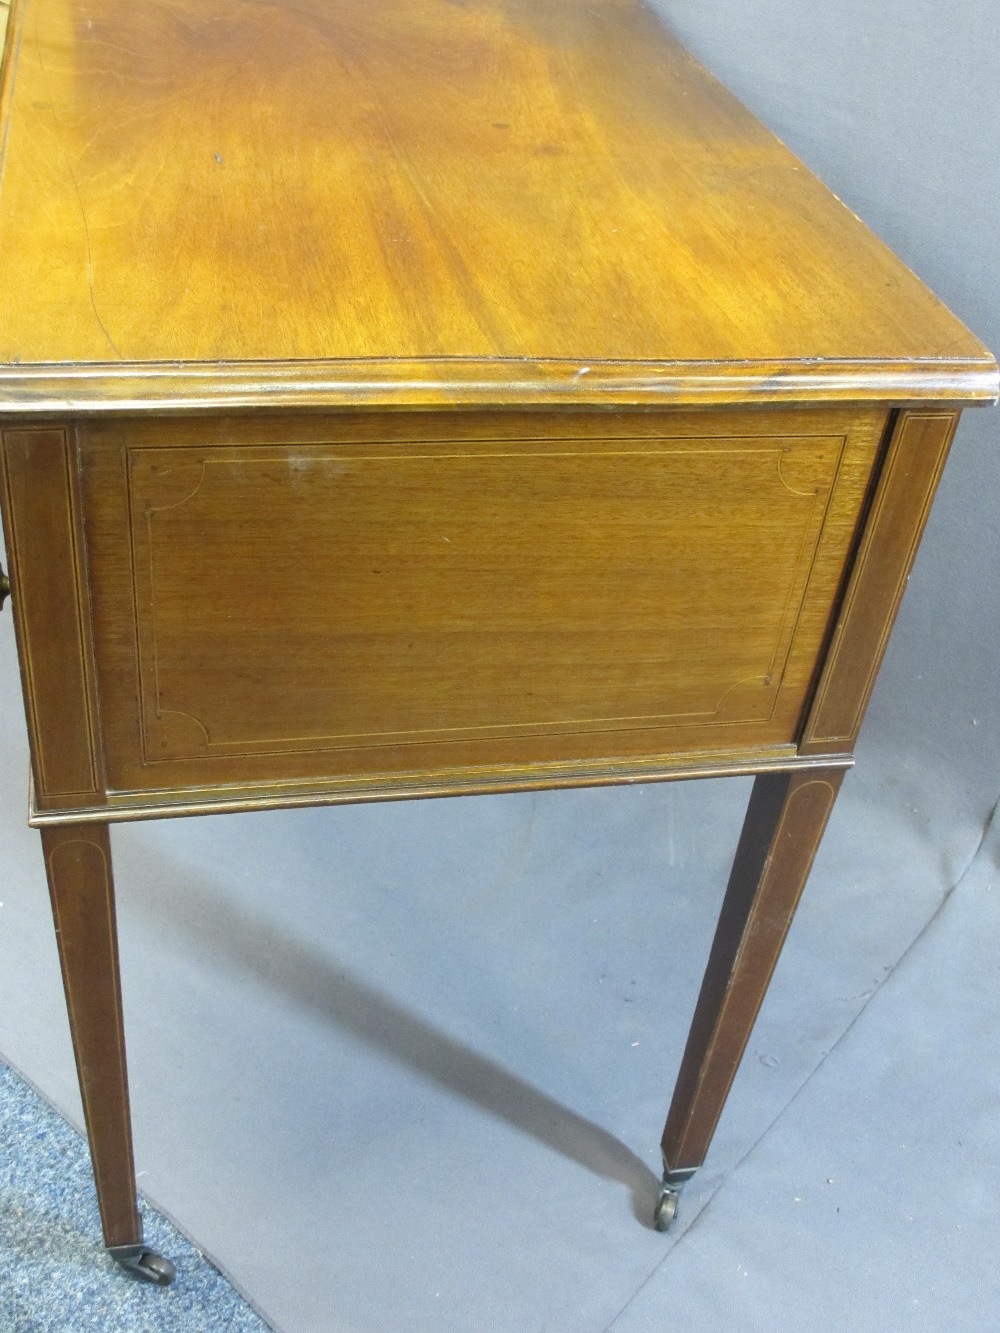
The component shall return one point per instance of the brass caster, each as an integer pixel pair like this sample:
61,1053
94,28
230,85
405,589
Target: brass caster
670,1194
666,1208
143,1263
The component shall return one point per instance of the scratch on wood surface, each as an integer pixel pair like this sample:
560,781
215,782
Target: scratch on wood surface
90,266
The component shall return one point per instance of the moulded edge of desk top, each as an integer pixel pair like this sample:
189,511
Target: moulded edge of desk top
493,382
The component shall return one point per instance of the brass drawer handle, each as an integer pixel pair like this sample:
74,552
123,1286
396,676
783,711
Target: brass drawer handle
4,587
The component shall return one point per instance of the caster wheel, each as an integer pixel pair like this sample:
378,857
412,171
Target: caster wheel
145,1264
666,1209
154,1268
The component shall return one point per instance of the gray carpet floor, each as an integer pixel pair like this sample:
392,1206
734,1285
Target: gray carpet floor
54,1273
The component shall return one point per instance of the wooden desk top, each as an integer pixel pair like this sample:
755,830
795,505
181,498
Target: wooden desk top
414,202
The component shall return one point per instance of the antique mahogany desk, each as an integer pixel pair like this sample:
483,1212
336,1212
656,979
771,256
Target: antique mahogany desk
410,399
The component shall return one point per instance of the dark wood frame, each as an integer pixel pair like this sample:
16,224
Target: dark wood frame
792,797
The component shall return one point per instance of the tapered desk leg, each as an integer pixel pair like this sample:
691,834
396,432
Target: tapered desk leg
782,831
78,865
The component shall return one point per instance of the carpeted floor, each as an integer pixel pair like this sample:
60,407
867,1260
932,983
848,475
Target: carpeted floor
54,1275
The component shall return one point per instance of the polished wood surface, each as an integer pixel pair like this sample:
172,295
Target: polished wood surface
674,421
206,201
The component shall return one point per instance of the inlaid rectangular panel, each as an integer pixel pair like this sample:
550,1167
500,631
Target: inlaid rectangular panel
341,604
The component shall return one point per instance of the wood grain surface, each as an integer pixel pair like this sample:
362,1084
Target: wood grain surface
424,202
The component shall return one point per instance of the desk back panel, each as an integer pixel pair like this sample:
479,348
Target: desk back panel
340,598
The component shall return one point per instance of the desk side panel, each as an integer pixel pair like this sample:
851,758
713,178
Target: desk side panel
354,600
